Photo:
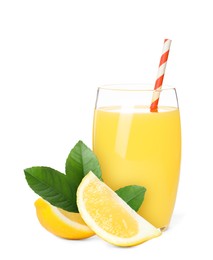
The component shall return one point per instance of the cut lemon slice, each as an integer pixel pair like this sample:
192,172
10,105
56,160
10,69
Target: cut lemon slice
60,222
109,216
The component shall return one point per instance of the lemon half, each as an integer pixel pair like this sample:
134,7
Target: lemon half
61,223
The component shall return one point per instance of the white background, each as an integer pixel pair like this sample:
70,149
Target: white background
53,56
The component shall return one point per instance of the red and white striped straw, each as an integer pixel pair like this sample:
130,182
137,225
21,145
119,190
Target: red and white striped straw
160,76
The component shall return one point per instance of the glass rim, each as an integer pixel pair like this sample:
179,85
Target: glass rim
136,87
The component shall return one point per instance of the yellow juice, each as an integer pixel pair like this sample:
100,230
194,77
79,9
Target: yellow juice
142,148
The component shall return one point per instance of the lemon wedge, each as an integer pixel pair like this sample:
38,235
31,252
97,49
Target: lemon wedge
61,223
109,216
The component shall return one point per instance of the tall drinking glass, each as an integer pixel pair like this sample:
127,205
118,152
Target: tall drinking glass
137,147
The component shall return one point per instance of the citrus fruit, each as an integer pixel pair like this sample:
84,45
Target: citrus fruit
109,216
60,222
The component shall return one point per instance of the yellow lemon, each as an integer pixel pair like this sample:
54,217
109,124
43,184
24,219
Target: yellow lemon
60,222
109,216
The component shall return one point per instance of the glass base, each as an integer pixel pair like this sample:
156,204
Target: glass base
164,228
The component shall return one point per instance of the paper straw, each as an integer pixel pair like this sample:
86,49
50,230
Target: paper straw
160,75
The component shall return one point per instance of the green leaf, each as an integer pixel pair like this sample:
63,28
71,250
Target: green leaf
133,195
60,189
80,161
52,186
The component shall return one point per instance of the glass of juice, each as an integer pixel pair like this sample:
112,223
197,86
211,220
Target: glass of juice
137,147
